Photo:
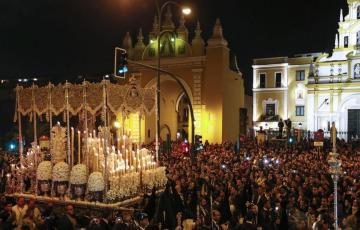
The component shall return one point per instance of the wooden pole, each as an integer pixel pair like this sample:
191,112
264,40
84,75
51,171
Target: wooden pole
34,113
72,144
79,147
86,153
50,112
67,121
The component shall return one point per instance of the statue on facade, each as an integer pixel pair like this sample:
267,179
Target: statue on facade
288,127
281,127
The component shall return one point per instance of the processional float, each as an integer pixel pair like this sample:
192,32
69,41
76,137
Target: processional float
99,166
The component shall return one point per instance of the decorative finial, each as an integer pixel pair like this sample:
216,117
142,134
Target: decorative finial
182,21
155,23
140,36
217,37
198,43
341,16
127,42
168,24
198,30
139,46
182,31
336,41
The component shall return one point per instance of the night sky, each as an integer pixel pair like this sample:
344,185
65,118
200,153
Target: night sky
59,39
76,37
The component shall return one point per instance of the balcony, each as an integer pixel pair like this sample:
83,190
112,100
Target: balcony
269,118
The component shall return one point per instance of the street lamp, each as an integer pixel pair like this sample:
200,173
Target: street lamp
335,171
186,11
160,10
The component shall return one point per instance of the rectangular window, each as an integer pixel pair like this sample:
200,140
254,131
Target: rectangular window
300,75
300,110
270,110
262,80
278,80
346,41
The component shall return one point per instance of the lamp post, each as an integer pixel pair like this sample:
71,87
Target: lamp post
160,10
335,171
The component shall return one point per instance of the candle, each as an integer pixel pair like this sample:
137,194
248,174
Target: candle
115,162
118,143
72,144
93,156
79,146
99,163
126,158
138,159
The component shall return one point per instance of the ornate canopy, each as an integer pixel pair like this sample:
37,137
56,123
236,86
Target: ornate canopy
52,98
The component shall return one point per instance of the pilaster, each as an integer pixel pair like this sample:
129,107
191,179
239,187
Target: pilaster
197,91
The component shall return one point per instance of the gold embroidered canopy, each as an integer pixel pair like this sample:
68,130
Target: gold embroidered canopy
52,98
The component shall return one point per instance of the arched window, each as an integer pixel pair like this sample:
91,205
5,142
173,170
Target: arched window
167,47
358,12
357,70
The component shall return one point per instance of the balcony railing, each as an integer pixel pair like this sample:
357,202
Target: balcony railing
269,118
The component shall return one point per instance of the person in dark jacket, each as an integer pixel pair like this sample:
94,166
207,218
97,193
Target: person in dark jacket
7,216
266,216
67,221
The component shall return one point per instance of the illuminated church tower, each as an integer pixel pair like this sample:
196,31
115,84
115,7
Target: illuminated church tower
216,91
319,88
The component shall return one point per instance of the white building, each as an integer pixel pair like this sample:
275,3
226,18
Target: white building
314,90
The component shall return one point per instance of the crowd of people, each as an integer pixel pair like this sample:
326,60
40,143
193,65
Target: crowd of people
259,187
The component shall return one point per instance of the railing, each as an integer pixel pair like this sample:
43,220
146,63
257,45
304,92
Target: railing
269,118
307,134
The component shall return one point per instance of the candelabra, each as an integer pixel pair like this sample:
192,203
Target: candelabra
335,171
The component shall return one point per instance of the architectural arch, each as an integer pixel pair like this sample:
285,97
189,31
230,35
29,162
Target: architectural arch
350,102
164,77
178,101
165,129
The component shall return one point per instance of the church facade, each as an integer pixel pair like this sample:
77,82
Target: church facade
215,90
313,90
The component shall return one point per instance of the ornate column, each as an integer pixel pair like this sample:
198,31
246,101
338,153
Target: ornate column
197,83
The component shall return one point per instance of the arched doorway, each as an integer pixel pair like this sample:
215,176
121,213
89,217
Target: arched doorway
172,97
349,111
165,132
183,117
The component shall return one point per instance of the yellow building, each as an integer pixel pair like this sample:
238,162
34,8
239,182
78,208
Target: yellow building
313,90
216,92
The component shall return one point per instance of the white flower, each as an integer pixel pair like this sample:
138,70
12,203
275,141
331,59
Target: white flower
61,172
78,174
111,195
96,182
44,171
